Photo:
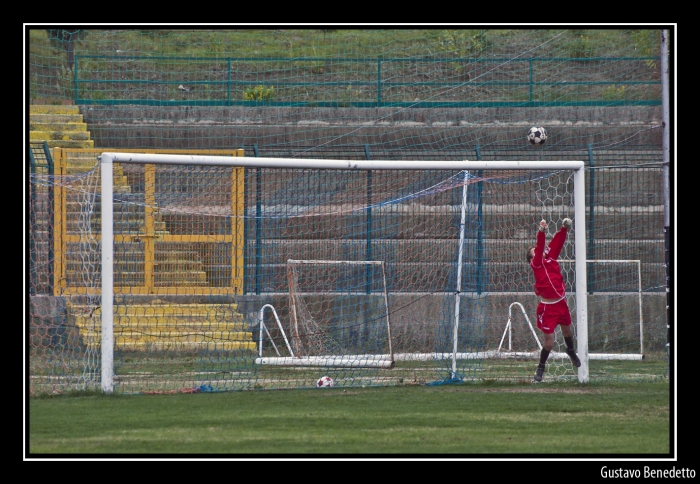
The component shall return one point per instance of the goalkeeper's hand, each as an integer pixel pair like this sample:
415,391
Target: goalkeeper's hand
543,226
566,223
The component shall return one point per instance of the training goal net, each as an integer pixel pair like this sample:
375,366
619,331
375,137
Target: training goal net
339,315
215,273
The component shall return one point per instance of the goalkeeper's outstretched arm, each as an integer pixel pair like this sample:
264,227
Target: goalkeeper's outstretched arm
557,242
534,254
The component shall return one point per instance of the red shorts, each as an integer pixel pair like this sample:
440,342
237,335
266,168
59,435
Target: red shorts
549,315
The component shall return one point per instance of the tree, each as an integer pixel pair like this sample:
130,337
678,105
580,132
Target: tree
65,39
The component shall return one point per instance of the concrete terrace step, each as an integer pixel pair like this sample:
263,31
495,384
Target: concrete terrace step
56,118
184,132
57,126
618,186
413,251
435,250
133,252
121,205
492,277
181,346
166,326
178,345
627,222
135,278
181,267
186,278
58,135
163,308
172,324
72,144
133,227
123,211
53,109
413,276
160,336
123,214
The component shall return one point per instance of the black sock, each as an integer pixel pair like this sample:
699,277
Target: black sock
569,340
544,354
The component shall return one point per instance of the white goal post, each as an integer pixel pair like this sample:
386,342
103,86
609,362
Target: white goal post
108,159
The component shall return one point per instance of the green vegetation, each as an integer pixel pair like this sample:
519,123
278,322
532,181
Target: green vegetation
613,93
354,67
555,419
259,93
360,42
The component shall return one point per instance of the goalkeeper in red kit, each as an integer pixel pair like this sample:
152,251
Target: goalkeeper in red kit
552,309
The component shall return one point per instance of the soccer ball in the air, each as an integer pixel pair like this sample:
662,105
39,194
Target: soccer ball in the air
537,135
324,382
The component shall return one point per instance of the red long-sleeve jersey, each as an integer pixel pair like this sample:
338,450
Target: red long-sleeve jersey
549,282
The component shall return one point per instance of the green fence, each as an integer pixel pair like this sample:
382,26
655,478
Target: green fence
41,212
348,82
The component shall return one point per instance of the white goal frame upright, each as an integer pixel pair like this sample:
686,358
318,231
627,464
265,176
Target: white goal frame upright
107,159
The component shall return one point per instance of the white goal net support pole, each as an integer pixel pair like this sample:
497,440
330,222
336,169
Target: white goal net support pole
575,169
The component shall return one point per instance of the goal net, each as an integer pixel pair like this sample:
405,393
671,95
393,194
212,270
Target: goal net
339,315
211,272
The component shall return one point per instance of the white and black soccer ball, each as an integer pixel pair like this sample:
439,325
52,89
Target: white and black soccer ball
537,135
325,382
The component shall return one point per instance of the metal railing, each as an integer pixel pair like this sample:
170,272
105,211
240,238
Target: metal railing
348,82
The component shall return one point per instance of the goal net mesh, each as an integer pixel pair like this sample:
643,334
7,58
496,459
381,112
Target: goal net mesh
230,278
338,308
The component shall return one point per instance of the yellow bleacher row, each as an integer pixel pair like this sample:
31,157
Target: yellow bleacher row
157,326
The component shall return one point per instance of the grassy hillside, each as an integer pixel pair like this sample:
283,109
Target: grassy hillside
337,63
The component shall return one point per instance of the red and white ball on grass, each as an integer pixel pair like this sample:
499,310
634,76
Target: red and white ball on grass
325,382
